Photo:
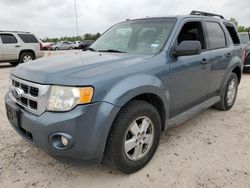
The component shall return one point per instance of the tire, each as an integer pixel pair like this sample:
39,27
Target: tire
56,49
26,56
129,161
226,104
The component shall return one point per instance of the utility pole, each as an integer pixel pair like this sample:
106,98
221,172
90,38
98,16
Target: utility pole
77,34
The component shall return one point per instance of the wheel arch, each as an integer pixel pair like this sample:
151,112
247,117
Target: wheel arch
143,87
27,50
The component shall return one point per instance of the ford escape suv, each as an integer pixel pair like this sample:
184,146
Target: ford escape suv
139,78
19,47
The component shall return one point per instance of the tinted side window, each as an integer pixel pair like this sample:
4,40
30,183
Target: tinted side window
216,36
28,38
192,31
233,33
8,39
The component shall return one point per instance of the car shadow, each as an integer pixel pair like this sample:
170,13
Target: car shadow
6,65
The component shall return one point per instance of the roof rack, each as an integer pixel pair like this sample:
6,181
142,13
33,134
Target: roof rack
195,12
15,31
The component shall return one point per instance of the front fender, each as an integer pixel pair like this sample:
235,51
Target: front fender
132,86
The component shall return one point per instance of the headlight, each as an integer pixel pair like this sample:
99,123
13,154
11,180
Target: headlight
64,98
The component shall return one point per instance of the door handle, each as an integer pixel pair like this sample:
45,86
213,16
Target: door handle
17,46
228,54
204,61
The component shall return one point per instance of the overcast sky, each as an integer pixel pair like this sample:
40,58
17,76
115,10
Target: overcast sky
56,18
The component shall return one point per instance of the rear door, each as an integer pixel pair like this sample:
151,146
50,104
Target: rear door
64,46
11,47
219,54
29,41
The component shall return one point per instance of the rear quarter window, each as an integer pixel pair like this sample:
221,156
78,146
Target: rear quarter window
28,38
216,36
233,33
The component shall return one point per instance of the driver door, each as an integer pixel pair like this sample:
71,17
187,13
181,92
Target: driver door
189,74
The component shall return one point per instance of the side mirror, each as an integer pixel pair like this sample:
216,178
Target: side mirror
186,48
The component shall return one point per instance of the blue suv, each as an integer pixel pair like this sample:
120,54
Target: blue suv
143,76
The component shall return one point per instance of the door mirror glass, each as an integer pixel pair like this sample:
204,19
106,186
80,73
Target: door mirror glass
186,48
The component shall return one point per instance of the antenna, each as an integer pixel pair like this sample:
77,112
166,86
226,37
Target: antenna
77,34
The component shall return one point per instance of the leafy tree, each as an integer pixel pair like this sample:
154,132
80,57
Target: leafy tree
236,23
87,36
240,27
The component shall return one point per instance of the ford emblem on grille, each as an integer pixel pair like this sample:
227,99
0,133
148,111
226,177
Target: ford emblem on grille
17,93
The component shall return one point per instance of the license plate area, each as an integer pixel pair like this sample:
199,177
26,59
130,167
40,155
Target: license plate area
13,114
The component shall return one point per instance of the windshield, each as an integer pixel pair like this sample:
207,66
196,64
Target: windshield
146,36
244,37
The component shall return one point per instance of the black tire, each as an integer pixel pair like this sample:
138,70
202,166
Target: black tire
25,55
224,104
56,49
115,154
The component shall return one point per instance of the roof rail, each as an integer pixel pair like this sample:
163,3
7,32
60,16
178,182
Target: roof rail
195,12
15,31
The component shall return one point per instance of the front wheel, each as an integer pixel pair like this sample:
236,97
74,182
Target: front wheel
134,137
229,93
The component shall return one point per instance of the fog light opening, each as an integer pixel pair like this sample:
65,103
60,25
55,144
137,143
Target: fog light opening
61,141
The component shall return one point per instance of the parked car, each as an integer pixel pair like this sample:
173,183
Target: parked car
245,40
85,44
19,47
62,46
46,45
76,44
138,79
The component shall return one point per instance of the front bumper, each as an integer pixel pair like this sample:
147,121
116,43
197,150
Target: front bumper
88,125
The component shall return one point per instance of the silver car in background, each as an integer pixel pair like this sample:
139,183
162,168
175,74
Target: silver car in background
62,46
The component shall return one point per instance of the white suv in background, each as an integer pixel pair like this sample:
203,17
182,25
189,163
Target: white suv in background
19,47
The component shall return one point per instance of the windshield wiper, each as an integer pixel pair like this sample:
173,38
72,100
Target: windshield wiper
111,50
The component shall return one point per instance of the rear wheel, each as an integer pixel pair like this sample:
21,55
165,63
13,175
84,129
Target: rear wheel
229,93
134,137
26,57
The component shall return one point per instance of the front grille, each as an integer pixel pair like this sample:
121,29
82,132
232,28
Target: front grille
33,97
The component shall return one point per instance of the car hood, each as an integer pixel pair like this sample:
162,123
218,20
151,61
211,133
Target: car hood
76,69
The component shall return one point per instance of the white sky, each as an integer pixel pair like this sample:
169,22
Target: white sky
56,18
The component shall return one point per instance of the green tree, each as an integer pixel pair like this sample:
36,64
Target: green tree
240,28
236,23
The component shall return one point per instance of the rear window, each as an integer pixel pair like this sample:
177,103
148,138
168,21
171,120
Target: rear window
28,38
216,36
8,39
233,33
